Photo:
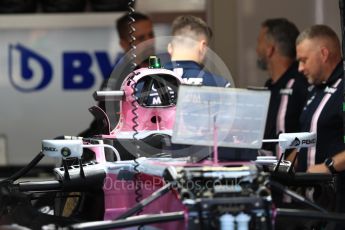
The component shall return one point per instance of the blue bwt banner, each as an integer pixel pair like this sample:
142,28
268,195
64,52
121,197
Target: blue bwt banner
50,66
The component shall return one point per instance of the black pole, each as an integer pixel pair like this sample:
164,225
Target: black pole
130,222
310,214
342,23
24,170
295,196
139,206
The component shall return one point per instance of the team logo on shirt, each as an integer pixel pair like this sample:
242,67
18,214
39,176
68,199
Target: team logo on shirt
330,90
286,91
193,81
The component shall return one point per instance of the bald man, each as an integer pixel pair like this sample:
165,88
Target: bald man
319,55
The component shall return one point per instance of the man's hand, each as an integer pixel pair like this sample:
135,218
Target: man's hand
318,168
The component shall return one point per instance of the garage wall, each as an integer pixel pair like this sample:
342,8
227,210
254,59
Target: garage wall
236,24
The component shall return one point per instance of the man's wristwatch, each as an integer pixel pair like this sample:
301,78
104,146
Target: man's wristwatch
330,165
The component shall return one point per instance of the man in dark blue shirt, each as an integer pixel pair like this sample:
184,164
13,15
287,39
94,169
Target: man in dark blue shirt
195,74
277,55
191,36
188,48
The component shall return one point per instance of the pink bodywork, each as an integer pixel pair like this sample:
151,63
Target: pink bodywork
119,195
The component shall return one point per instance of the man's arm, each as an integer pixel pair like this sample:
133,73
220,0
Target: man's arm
338,164
291,156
